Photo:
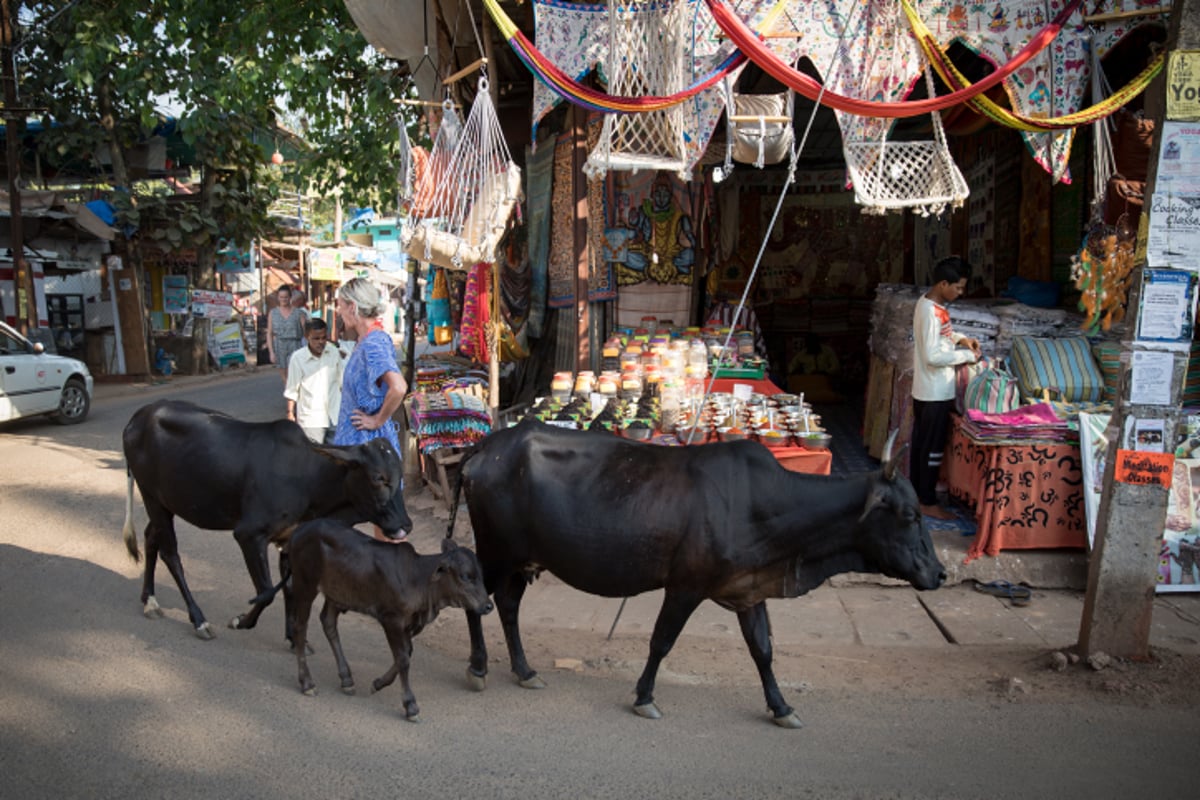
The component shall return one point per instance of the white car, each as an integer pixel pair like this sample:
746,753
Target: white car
33,381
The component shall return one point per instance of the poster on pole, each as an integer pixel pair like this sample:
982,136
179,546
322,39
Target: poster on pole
1174,235
1168,310
1183,85
1179,553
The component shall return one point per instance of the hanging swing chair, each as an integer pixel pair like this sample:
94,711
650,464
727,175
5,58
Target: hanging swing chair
759,127
647,43
893,176
471,193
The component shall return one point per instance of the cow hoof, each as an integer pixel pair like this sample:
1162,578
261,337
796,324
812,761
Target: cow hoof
414,718
205,631
788,721
532,682
476,682
349,690
648,710
236,622
309,692
151,609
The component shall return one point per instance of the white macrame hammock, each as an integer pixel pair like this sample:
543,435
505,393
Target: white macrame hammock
893,176
648,42
471,193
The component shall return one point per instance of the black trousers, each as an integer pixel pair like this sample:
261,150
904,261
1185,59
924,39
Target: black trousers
931,424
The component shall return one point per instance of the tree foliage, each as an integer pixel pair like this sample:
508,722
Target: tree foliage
104,70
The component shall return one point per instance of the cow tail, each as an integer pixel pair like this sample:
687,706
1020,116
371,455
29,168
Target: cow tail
458,484
128,532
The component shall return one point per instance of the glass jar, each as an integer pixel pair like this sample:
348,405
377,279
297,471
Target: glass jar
561,385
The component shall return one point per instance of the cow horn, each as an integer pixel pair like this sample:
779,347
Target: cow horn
890,468
887,448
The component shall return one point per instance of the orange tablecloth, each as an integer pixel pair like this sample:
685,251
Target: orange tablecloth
1025,496
762,387
792,457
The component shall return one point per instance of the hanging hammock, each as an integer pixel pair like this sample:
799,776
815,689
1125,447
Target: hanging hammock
571,90
749,43
893,176
472,194
646,56
1012,119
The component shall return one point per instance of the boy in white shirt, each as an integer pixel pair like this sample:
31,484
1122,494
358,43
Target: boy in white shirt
314,383
936,353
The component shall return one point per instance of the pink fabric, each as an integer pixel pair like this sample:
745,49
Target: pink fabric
1036,414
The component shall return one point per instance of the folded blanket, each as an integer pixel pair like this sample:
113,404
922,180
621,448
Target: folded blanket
448,419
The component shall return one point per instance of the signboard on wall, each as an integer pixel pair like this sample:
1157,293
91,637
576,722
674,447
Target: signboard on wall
175,294
325,265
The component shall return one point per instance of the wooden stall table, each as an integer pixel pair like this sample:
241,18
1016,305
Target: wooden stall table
1026,495
792,457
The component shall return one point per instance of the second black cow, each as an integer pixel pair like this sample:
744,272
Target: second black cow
260,479
722,522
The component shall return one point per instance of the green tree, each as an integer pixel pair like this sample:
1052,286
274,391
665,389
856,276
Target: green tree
102,69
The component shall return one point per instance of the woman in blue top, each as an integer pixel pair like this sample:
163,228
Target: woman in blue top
372,386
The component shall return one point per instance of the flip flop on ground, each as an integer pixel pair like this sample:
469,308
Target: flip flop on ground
1018,594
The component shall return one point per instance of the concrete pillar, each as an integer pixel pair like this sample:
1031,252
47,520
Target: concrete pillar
1129,529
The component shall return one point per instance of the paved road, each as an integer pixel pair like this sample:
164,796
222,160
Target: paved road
97,702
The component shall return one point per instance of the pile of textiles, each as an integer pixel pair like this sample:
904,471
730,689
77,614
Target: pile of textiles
1028,424
892,315
1018,319
448,419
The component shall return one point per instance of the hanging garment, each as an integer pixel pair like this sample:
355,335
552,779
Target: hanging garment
562,264
540,172
438,303
472,338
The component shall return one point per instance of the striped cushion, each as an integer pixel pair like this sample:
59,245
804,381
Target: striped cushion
1063,366
1108,358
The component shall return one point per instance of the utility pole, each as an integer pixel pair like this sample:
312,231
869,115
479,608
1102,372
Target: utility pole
14,130
1129,530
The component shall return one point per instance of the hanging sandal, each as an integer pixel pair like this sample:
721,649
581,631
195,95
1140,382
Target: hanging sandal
1019,595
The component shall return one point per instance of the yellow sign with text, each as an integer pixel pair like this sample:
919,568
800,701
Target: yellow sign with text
1183,85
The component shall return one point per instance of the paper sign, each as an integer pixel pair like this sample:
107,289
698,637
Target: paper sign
742,391
1174,237
1148,435
1168,308
1145,469
1183,85
1179,155
1152,378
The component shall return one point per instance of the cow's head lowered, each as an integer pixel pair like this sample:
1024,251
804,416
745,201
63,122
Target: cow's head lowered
372,485
891,532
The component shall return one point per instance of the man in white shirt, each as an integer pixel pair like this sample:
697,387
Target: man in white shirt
937,350
314,383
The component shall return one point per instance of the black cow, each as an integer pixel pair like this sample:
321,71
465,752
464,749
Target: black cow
404,591
259,479
723,522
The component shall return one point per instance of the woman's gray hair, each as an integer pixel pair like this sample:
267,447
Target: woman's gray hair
364,296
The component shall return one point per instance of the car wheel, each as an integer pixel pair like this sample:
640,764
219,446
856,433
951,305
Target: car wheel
74,404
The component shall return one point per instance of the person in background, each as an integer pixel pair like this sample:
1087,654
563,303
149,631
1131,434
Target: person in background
816,357
285,330
300,302
723,311
937,350
372,386
314,384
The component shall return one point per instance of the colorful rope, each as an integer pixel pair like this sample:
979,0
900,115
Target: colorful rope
750,43
1012,119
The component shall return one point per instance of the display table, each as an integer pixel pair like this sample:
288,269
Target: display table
1025,495
792,457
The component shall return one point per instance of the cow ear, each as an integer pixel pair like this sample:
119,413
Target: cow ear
344,456
449,545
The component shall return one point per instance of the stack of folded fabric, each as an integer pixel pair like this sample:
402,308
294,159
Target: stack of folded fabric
448,419
1025,425
1018,319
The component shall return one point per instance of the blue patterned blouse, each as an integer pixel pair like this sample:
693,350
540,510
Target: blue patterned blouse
363,389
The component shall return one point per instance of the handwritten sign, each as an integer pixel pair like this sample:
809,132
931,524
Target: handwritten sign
1183,85
1140,468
